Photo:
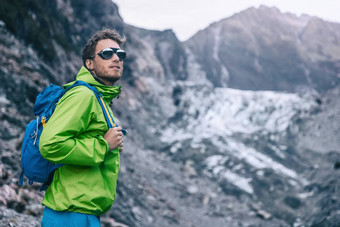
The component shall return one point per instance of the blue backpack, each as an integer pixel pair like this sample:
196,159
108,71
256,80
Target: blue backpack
33,165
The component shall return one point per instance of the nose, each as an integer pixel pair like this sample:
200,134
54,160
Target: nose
115,57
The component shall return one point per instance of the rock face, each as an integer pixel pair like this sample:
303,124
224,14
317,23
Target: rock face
263,49
235,127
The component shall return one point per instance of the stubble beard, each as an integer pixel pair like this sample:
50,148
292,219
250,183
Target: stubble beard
107,77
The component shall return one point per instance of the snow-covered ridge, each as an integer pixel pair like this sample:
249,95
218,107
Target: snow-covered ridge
219,115
217,166
225,111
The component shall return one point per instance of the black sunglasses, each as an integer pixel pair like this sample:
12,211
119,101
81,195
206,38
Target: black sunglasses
107,53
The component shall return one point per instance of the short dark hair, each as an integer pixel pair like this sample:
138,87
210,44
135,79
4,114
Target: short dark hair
91,44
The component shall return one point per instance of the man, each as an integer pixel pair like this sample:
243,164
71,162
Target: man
77,135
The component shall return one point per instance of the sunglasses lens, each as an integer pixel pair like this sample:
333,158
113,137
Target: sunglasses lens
121,54
107,53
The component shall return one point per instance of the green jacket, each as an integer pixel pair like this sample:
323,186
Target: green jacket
74,136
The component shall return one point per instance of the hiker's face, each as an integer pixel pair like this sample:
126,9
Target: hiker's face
107,70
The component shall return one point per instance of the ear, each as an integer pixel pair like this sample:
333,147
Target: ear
89,64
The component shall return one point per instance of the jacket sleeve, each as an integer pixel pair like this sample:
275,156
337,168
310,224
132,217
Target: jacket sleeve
65,138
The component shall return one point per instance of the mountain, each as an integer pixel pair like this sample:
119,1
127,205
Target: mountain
235,127
264,49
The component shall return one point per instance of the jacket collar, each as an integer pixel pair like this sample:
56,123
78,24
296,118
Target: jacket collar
108,92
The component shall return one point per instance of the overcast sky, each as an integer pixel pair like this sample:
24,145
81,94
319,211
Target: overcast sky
186,17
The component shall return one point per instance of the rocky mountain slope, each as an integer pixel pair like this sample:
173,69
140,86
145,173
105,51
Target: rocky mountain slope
264,49
200,152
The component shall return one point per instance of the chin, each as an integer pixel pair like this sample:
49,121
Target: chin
114,79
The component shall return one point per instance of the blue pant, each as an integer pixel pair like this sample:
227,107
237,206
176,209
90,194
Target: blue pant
52,218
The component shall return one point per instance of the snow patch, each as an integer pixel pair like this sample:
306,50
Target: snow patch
239,181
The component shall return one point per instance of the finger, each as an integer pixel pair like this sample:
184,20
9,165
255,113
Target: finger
118,131
120,147
118,128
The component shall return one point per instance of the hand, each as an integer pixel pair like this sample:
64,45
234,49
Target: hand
114,137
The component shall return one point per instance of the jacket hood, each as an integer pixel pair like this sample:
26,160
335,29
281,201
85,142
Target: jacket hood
108,92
